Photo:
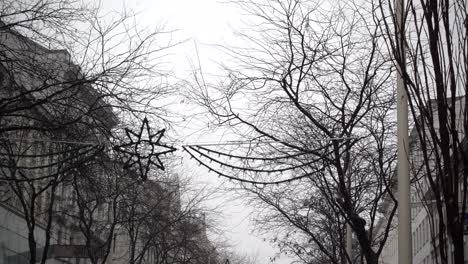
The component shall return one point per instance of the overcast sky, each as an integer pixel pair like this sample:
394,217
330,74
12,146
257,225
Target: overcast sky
203,23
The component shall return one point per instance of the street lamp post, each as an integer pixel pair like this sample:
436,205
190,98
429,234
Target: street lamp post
404,210
349,241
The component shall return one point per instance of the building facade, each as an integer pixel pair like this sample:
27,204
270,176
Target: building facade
44,136
424,218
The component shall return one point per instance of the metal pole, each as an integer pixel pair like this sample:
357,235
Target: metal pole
349,241
404,210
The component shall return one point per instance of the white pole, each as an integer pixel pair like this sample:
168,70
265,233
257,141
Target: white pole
404,209
349,241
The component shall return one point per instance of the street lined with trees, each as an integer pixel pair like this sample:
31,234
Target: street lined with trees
307,95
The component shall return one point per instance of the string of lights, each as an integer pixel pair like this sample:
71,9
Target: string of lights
252,142
60,165
221,163
34,140
246,158
254,182
143,152
51,151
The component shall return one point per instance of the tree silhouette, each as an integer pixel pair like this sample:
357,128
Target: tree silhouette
310,99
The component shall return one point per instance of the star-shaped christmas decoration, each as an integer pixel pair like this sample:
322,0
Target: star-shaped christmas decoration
144,149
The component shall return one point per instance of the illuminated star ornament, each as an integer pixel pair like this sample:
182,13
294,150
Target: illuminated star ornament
144,149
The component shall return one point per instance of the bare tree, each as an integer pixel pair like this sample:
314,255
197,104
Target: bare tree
310,100
153,215
68,77
431,53
97,191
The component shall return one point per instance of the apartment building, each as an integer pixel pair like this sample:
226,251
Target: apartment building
46,113
424,218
